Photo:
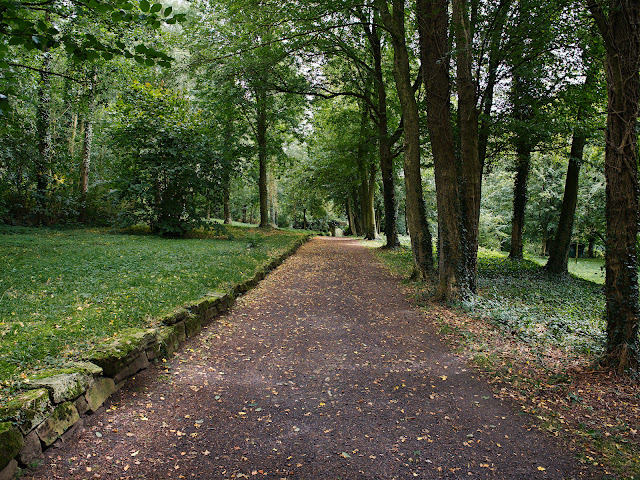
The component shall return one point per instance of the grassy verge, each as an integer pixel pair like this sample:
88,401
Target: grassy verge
61,291
537,340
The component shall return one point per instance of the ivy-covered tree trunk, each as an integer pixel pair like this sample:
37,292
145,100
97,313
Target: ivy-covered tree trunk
421,243
470,164
432,26
620,28
523,165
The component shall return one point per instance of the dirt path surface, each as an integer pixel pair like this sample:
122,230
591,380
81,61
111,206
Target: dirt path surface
324,371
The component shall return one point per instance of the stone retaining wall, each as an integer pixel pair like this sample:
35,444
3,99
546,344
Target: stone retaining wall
52,406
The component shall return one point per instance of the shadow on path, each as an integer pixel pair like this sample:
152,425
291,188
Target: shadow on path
324,371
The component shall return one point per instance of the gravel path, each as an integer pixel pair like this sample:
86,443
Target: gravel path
324,371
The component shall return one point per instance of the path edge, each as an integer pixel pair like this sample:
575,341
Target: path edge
51,407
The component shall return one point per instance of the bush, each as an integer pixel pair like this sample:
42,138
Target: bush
166,160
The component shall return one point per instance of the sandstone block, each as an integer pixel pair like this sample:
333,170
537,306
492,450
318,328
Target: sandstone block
133,367
192,326
175,317
127,347
9,472
81,405
31,450
66,386
99,392
62,418
169,339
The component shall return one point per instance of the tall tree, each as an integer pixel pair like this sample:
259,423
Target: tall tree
421,244
619,24
584,100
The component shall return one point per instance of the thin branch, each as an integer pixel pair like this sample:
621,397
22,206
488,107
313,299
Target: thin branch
45,72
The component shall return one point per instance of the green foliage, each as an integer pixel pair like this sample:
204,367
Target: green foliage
61,291
544,312
166,160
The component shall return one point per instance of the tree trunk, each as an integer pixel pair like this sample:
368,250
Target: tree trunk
226,201
43,127
620,28
350,216
384,147
421,243
559,253
357,214
470,165
368,203
432,27
367,171
523,165
261,132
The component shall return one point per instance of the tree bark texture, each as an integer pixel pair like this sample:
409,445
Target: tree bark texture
559,253
432,26
470,164
620,29
384,146
523,165
421,243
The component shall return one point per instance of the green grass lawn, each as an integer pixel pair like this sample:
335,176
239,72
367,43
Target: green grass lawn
63,290
591,269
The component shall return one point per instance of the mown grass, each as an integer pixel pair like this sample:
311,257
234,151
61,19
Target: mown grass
591,269
538,339
62,291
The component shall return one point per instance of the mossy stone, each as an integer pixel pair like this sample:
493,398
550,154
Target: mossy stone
114,356
61,419
99,392
169,339
28,409
175,317
11,442
65,386
192,326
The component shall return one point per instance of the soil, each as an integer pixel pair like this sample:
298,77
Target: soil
324,371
